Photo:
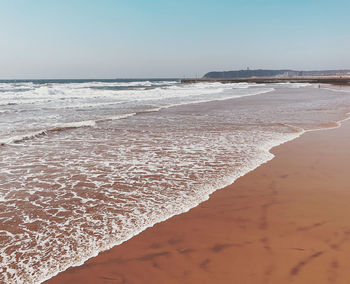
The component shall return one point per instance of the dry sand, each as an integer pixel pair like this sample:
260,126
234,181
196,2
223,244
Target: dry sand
286,222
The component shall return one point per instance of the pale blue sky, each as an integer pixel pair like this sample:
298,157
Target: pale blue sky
154,38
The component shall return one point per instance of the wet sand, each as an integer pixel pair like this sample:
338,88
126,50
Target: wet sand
285,222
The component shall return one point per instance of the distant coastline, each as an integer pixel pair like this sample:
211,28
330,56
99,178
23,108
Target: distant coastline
273,73
334,80
335,77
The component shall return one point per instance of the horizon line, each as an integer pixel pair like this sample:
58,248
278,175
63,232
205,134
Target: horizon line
164,78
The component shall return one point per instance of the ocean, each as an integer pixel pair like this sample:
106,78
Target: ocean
87,164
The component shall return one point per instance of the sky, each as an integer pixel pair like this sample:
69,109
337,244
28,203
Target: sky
42,39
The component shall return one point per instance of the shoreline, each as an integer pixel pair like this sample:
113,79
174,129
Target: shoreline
85,273
228,181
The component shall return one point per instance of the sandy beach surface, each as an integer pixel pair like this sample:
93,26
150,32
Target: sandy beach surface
285,222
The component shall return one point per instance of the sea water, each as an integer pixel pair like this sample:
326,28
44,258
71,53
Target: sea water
87,164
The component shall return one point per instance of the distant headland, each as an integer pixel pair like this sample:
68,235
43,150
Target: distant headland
272,73
275,76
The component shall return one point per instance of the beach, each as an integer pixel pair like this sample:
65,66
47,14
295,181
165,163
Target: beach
285,222
116,164
174,142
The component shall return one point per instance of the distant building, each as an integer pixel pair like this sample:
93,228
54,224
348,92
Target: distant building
290,74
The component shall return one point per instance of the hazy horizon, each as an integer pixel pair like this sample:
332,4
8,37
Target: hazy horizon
162,39
154,78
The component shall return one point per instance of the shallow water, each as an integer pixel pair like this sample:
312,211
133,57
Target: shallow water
87,165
